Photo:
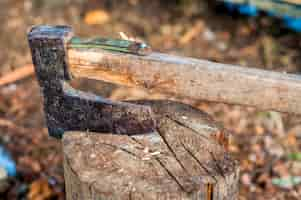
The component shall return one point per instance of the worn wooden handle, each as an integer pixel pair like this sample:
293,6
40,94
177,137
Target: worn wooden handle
191,78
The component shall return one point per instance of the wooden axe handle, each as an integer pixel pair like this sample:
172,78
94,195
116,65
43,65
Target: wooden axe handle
190,78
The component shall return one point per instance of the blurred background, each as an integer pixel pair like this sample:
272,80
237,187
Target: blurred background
267,144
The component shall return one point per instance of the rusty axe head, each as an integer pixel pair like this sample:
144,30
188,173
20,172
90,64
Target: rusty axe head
68,109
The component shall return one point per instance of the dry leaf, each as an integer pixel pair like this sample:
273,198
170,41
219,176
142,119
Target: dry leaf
96,17
246,179
39,190
192,33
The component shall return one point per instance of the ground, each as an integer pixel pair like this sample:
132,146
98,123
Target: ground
265,143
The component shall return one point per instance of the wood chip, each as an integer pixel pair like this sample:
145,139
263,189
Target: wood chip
192,33
96,17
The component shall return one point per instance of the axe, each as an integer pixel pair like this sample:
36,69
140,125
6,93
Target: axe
58,57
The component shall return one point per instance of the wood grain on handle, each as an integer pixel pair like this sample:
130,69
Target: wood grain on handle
191,78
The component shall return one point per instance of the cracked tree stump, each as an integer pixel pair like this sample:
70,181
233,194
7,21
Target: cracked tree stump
185,158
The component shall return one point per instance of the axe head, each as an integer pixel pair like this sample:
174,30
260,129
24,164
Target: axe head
68,109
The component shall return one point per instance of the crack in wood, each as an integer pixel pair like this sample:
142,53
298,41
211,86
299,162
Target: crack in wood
172,151
219,168
130,194
70,166
198,161
171,175
91,186
210,191
122,149
137,141
184,125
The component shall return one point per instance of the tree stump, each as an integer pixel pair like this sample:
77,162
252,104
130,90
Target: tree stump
186,158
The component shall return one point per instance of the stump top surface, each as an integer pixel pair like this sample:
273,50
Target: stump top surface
145,164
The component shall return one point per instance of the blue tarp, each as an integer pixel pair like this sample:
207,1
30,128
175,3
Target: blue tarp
249,8
7,163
